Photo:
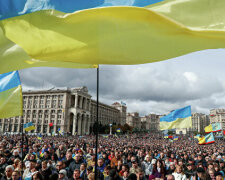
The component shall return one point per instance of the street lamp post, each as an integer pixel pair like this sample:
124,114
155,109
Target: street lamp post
110,128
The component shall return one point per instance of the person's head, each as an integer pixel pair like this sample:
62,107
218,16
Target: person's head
82,167
89,169
147,158
32,164
179,169
113,174
100,162
62,174
200,172
91,176
219,176
140,173
68,155
211,173
44,164
15,175
59,165
189,166
210,166
37,176
9,170
76,173
170,177
134,163
172,166
107,170
77,157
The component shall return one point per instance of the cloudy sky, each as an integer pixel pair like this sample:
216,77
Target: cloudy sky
196,79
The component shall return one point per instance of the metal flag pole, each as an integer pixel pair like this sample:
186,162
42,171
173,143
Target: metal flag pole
96,145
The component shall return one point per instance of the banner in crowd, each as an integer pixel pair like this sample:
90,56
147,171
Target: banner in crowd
179,118
208,139
28,126
57,33
214,127
118,130
11,99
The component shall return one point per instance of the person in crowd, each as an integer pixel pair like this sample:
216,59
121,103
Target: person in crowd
179,173
62,175
8,173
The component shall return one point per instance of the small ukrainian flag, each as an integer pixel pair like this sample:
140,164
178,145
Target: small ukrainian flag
118,130
60,132
175,138
28,126
39,137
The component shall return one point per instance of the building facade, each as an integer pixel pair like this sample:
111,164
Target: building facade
133,120
199,122
71,110
217,116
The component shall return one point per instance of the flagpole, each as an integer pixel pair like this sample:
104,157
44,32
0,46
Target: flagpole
22,144
96,145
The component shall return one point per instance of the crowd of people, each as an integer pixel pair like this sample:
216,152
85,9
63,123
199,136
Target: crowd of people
128,157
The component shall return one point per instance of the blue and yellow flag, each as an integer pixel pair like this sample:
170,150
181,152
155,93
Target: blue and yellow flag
214,127
197,136
166,137
175,138
118,130
208,139
60,132
179,118
83,33
11,99
28,126
39,137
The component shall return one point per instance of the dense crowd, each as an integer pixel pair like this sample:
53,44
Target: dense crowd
136,156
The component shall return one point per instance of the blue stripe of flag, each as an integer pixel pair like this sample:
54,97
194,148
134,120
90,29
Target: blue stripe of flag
9,80
12,8
178,113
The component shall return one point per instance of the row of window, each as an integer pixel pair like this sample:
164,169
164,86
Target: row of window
44,97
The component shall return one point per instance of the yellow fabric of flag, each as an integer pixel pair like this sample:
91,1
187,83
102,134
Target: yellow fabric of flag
113,35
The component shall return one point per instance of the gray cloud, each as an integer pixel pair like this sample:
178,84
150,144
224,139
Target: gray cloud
193,80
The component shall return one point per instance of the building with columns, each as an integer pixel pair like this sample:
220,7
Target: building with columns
199,122
71,110
217,116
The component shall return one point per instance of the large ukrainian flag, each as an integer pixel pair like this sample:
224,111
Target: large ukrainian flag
81,33
11,103
179,118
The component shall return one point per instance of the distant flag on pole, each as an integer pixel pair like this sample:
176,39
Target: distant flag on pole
11,99
214,127
28,126
166,136
60,132
39,137
123,103
179,118
175,138
208,139
118,130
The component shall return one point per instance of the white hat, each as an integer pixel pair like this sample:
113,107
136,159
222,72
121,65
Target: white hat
62,171
153,161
